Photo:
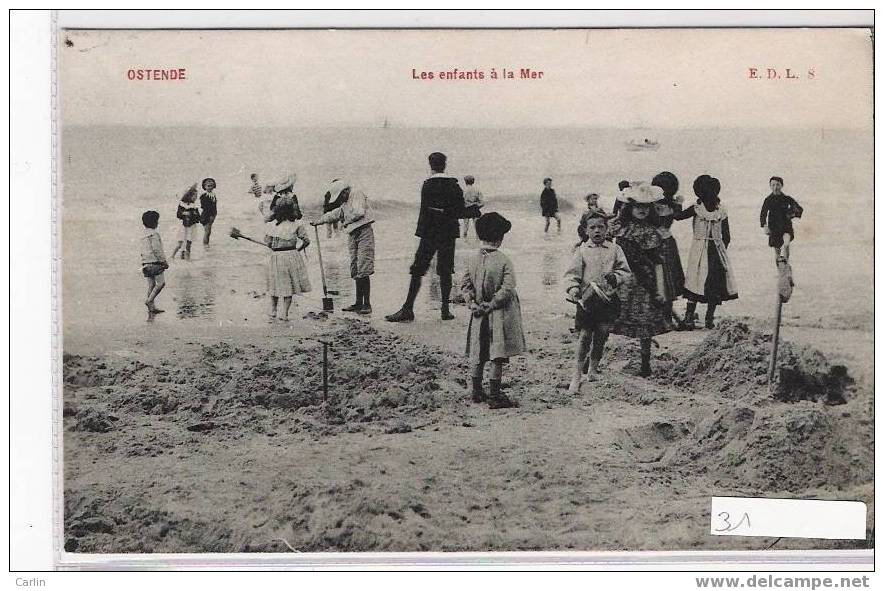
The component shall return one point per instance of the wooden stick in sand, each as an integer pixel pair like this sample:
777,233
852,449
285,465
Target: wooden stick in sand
784,292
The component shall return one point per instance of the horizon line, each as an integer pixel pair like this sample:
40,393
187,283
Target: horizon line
436,127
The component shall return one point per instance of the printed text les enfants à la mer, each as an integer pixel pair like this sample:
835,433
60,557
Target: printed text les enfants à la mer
478,74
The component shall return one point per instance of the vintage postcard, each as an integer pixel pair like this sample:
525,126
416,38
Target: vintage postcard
463,290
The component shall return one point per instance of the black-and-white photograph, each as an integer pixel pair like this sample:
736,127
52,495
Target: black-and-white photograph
463,290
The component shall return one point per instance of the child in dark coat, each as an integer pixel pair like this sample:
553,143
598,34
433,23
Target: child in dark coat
209,206
776,218
666,208
549,205
489,288
189,214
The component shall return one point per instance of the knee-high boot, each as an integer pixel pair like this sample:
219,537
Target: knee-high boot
710,315
445,288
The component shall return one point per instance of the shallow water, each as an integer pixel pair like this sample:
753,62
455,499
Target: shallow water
108,179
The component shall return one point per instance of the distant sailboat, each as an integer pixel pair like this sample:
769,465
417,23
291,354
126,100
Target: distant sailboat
386,124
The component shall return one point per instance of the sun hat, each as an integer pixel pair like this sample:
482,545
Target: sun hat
287,183
336,186
642,192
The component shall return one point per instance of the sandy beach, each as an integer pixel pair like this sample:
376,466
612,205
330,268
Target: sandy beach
232,448
221,440
207,430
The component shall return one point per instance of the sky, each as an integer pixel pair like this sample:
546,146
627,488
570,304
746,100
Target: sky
650,78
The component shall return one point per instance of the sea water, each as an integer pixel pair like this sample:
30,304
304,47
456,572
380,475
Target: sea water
110,175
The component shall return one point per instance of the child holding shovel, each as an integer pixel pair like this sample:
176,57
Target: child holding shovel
597,269
287,270
489,289
356,217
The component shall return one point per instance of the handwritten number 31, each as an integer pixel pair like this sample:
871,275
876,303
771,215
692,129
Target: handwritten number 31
726,517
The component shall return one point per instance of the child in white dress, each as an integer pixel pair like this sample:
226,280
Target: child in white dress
287,270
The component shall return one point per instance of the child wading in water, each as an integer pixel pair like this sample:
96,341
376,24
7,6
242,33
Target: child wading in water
710,277
189,214
776,219
209,206
287,271
549,205
597,268
256,188
472,201
153,261
489,289
673,273
643,313
356,217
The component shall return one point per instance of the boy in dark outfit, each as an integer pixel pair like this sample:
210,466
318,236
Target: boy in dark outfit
549,204
209,206
776,218
438,227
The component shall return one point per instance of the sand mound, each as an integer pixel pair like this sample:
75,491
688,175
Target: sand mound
793,448
95,521
231,387
733,360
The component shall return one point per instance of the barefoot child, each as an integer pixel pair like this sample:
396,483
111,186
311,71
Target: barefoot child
153,260
472,201
776,219
549,205
710,277
354,213
597,269
489,289
643,313
209,206
189,214
287,271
